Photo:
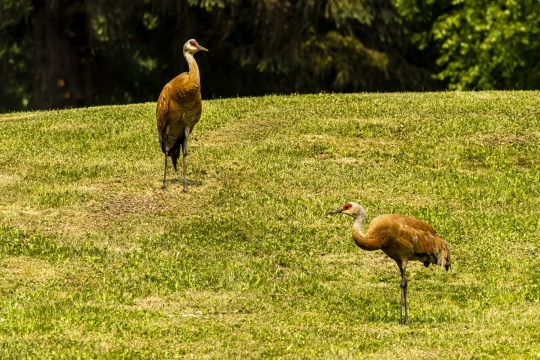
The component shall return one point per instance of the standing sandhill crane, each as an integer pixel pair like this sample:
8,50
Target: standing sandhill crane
179,109
402,238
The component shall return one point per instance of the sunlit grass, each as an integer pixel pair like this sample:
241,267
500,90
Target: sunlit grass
97,261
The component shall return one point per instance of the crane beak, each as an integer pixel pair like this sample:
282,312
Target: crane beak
201,48
337,211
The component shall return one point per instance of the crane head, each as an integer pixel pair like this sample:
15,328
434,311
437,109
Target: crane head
351,208
192,46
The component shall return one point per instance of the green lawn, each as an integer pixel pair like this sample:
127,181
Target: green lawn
97,261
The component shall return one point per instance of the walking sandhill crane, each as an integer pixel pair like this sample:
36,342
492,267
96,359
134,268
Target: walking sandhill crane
178,109
402,238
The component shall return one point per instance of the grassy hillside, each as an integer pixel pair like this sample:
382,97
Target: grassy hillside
97,261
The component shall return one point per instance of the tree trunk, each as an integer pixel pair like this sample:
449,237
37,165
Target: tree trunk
61,42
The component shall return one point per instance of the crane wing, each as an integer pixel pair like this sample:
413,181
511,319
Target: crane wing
162,109
416,239
427,243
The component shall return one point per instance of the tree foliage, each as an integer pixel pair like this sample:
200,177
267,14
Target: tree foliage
125,51
479,44
15,50
61,53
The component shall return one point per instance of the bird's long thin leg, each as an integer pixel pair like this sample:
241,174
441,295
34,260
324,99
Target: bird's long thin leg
403,285
184,154
165,173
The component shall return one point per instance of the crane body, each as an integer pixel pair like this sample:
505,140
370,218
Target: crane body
400,237
179,108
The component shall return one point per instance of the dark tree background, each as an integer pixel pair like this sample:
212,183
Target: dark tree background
66,53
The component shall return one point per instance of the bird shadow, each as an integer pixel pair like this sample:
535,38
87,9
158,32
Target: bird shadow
195,183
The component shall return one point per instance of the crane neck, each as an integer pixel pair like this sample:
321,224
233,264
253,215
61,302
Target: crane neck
363,241
193,69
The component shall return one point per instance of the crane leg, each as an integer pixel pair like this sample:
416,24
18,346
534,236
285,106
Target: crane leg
165,173
185,167
184,155
403,286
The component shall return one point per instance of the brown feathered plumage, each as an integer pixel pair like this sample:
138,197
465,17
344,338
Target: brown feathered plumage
178,109
402,238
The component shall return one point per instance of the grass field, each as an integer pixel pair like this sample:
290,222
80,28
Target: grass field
97,261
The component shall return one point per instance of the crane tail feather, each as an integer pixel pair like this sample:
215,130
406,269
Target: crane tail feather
174,152
443,254
437,252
